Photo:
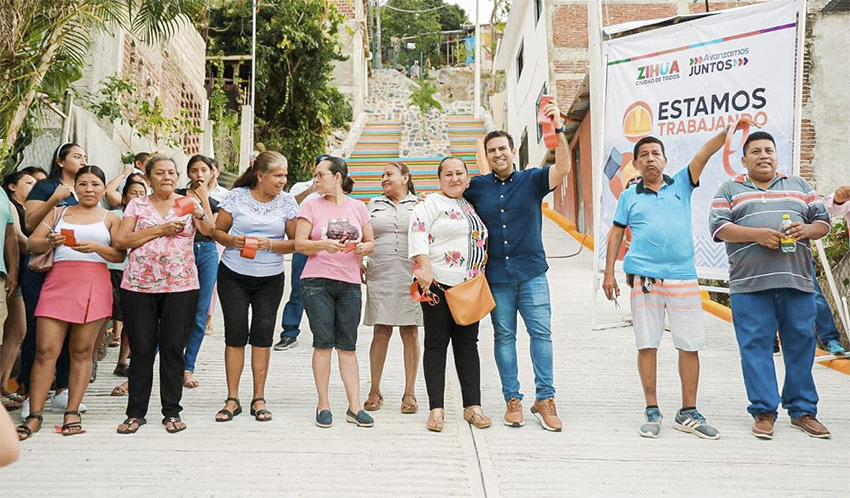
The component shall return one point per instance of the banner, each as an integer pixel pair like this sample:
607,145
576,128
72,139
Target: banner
684,84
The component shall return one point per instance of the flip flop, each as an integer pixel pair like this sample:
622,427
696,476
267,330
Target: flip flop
120,390
129,421
10,404
173,421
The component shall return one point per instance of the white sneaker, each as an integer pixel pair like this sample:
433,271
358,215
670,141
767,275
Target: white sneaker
59,403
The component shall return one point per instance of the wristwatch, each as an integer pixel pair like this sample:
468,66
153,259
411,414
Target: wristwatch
560,130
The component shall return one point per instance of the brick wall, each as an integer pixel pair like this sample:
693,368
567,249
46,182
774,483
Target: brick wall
347,8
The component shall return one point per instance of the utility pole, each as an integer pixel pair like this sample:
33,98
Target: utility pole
378,58
477,91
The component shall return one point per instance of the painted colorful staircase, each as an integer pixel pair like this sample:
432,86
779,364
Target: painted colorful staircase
379,144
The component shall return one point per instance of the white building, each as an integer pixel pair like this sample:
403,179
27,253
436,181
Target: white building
524,56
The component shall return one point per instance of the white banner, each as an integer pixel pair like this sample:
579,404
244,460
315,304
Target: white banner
685,83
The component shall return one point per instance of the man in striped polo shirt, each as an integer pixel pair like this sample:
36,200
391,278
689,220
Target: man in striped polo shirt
772,289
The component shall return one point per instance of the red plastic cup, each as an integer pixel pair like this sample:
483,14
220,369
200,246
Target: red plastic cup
250,249
550,138
183,206
70,241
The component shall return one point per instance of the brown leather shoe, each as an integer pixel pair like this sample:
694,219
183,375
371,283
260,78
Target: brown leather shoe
810,425
763,426
513,414
547,414
475,416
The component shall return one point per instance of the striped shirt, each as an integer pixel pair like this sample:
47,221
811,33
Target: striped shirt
753,267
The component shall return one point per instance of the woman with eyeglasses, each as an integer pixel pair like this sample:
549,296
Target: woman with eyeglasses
335,232
448,241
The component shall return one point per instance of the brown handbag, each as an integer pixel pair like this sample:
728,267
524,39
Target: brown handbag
42,263
470,301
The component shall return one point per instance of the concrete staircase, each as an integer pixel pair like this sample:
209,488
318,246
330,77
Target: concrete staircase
379,144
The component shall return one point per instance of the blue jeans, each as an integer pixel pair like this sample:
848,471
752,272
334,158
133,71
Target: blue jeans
531,300
206,259
824,320
294,308
756,317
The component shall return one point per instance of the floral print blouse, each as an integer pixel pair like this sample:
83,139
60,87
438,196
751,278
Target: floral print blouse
164,264
452,235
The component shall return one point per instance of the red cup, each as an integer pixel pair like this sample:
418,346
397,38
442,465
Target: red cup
183,206
727,145
70,241
350,246
250,249
550,137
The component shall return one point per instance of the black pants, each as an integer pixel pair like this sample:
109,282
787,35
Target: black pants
31,283
440,327
237,293
163,321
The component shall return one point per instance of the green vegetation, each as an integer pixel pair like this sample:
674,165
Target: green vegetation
424,96
297,44
44,45
434,16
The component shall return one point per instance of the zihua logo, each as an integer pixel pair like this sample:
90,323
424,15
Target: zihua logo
656,73
724,61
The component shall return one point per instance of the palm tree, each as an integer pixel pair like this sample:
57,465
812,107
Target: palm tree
45,43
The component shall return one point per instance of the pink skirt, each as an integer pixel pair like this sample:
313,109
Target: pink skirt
76,292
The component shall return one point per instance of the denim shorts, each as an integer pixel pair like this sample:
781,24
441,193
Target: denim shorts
333,310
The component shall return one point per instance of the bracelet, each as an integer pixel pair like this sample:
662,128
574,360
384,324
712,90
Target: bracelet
202,218
560,130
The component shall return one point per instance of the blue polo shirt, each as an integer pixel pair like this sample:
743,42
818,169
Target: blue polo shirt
511,209
662,243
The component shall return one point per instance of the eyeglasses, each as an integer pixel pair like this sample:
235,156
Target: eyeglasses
319,174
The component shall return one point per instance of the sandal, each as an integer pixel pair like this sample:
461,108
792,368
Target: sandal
121,389
257,413
228,415
69,428
129,423
115,342
93,373
435,420
24,430
373,402
409,407
173,421
122,370
10,404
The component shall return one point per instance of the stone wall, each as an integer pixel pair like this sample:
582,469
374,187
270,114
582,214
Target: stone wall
424,135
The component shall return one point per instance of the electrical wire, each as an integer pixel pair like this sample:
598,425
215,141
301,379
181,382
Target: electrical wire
580,247
388,6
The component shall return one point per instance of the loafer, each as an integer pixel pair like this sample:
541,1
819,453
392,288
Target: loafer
763,426
810,425
362,419
324,419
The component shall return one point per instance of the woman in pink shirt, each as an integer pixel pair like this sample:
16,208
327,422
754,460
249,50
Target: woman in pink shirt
159,292
335,232
838,203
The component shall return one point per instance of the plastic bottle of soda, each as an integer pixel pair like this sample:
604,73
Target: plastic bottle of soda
788,244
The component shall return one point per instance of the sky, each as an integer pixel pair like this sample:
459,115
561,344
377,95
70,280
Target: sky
469,7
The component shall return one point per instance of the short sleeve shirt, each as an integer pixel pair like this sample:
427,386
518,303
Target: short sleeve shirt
164,264
511,209
331,221
42,191
253,218
662,244
753,267
7,216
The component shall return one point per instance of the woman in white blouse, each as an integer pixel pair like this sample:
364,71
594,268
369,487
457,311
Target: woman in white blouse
449,242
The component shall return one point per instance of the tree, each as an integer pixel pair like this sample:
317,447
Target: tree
45,43
297,44
422,20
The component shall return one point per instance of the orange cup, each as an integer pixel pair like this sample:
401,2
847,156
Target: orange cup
70,241
183,206
251,246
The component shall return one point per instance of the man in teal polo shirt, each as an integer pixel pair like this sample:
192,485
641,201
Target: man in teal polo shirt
660,270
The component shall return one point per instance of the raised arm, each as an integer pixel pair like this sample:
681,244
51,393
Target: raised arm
563,157
714,144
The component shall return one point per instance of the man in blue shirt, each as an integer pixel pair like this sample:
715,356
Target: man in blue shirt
660,269
509,203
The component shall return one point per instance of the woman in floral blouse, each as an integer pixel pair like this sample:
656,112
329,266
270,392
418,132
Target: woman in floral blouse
449,242
159,292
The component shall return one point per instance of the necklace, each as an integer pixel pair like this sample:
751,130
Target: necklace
763,191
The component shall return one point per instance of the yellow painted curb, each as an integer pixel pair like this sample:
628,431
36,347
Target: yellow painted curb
725,313
568,226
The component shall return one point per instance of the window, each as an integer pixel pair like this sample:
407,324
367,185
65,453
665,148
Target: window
537,110
523,150
538,10
519,60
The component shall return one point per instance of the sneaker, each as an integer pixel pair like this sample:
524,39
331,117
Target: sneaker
810,425
59,403
513,414
362,419
547,414
285,343
652,427
692,421
835,347
763,426
324,419
475,416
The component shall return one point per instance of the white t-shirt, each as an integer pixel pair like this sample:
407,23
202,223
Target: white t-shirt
300,187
